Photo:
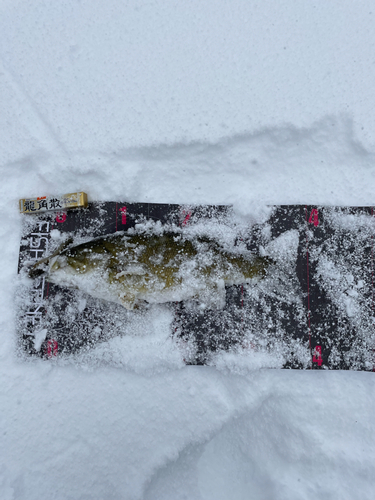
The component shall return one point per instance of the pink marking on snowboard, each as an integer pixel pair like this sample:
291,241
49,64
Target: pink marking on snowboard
61,217
123,215
314,218
187,217
52,347
122,211
308,281
317,355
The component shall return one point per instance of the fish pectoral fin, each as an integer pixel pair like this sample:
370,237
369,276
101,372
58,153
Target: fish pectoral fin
135,270
128,301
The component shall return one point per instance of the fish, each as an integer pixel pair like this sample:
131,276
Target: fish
132,269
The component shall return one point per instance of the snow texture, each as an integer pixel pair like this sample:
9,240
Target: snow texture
195,102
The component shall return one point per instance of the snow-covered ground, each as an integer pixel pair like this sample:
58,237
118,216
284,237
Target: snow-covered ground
238,102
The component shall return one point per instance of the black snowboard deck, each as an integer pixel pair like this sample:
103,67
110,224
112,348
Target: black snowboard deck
315,308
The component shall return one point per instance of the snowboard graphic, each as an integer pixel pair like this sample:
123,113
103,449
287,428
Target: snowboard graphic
315,308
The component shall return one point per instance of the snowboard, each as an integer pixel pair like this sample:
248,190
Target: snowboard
314,308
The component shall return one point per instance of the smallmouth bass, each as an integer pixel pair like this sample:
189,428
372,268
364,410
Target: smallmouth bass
131,268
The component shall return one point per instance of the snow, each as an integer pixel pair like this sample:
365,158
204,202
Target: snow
235,102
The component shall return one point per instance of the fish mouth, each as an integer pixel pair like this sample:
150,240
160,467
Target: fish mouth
37,272
42,266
